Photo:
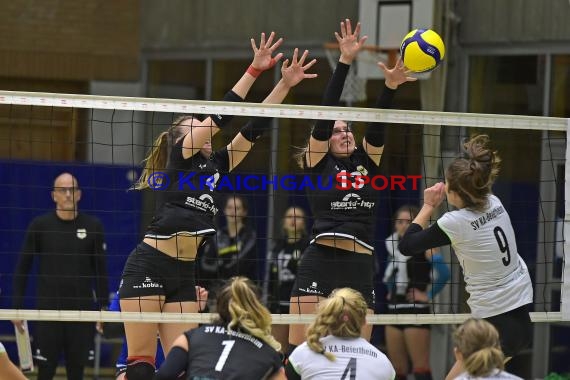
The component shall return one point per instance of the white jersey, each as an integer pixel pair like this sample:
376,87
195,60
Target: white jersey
2,349
356,359
495,375
496,277
397,265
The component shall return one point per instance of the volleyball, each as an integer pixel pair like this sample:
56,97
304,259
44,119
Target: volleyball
422,50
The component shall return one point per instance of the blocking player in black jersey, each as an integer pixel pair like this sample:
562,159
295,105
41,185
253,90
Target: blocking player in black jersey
340,253
482,236
334,347
159,275
239,345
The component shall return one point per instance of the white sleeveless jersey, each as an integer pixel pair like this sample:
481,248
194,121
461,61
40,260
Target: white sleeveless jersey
356,359
495,375
496,277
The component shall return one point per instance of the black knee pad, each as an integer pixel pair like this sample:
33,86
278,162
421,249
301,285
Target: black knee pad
140,369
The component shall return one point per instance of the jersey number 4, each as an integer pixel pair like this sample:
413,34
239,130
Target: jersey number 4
350,370
503,244
228,345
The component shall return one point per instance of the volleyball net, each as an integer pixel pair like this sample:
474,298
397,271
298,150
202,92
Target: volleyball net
102,141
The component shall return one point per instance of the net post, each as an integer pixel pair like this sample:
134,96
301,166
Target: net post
565,291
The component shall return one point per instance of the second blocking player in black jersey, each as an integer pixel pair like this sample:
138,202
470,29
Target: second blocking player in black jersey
340,253
239,345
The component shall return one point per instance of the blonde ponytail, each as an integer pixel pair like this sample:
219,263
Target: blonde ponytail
481,363
239,307
342,315
155,161
478,342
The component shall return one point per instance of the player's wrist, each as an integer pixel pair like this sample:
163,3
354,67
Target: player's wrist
346,59
253,71
391,85
256,71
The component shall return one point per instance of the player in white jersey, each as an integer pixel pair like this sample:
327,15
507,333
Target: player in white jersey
482,236
334,349
478,348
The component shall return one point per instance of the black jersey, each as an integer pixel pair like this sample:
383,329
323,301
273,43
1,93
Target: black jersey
187,204
283,261
344,213
218,353
72,263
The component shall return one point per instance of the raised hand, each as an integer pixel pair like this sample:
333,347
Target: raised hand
262,59
349,43
397,75
434,195
295,72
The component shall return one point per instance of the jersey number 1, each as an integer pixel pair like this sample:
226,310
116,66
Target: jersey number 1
229,344
350,370
503,244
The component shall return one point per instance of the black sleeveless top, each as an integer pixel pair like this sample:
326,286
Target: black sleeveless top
343,213
187,203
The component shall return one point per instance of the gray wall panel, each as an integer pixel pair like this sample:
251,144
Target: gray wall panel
514,21
182,24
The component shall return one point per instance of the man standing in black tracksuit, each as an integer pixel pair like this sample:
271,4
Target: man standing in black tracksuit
69,247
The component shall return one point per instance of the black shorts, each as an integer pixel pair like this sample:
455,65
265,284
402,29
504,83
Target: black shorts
323,269
515,329
149,272
75,339
409,308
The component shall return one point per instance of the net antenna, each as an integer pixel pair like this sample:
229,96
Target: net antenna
354,90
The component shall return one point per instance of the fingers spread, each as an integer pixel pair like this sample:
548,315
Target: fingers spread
348,27
270,40
309,65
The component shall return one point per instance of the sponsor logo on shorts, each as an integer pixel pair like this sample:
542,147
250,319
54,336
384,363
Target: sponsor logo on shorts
148,283
313,289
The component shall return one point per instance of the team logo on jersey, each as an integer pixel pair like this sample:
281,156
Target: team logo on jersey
362,170
81,233
202,166
351,201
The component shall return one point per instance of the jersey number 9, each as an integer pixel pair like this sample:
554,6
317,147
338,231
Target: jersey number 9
503,244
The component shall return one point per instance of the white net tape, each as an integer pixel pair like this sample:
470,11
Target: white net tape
286,111
112,316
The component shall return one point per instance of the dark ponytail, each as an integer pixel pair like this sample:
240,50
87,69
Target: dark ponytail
471,177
